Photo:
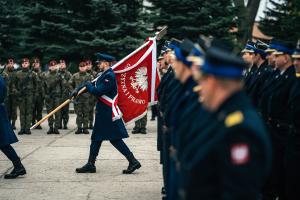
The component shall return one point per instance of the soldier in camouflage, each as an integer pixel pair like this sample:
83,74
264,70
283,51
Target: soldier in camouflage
66,77
53,90
140,126
38,100
11,100
26,82
82,101
92,100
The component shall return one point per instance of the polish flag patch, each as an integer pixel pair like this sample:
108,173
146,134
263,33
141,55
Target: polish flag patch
106,80
240,154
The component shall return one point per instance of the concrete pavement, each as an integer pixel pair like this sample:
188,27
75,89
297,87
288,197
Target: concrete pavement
51,160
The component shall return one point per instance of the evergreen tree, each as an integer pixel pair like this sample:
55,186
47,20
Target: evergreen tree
191,18
70,28
121,30
11,35
282,21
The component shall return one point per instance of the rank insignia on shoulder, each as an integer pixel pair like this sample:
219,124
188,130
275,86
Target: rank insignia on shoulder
234,118
298,75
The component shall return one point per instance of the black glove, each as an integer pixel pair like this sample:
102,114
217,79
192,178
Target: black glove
74,93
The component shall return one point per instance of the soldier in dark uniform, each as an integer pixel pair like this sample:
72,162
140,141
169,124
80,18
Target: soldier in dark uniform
248,56
26,82
279,113
38,100
53,86
262,74
180,100
163,69
11,101
293,146
267,86
8,137
108,122
92,100
233,144
163,91
66,77
82,102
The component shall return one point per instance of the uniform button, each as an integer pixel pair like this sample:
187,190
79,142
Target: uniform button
172,151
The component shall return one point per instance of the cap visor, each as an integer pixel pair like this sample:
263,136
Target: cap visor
296,56
277,53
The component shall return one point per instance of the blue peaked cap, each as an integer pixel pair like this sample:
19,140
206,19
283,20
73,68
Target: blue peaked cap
104,57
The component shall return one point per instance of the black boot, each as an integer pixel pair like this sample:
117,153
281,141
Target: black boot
21,132
78,131
134,164
50,131
91,126
85,131
89,167
135,131
17,171
143,131
163,190
55,131
28,132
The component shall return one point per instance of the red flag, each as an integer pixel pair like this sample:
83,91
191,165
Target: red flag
137,79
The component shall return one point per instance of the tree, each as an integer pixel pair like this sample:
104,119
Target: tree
191,18
121,31
71,28
246,15
11,35
282,20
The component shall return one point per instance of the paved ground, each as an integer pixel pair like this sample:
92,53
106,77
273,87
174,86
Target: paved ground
51,160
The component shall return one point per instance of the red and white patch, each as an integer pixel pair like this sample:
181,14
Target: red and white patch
106,80
240,154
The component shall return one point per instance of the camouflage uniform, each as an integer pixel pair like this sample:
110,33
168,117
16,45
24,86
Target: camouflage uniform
26,82
53,85
11,99
66,77
38,100
82,101
92,102
140,125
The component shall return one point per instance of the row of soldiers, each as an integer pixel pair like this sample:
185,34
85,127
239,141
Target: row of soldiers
272,83
228,124
29,88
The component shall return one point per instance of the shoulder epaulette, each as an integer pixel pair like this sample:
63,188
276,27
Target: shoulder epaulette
234,118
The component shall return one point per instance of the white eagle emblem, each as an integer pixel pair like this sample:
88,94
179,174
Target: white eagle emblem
140,81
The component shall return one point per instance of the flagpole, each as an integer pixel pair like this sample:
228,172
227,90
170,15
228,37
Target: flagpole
158,36
128,56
